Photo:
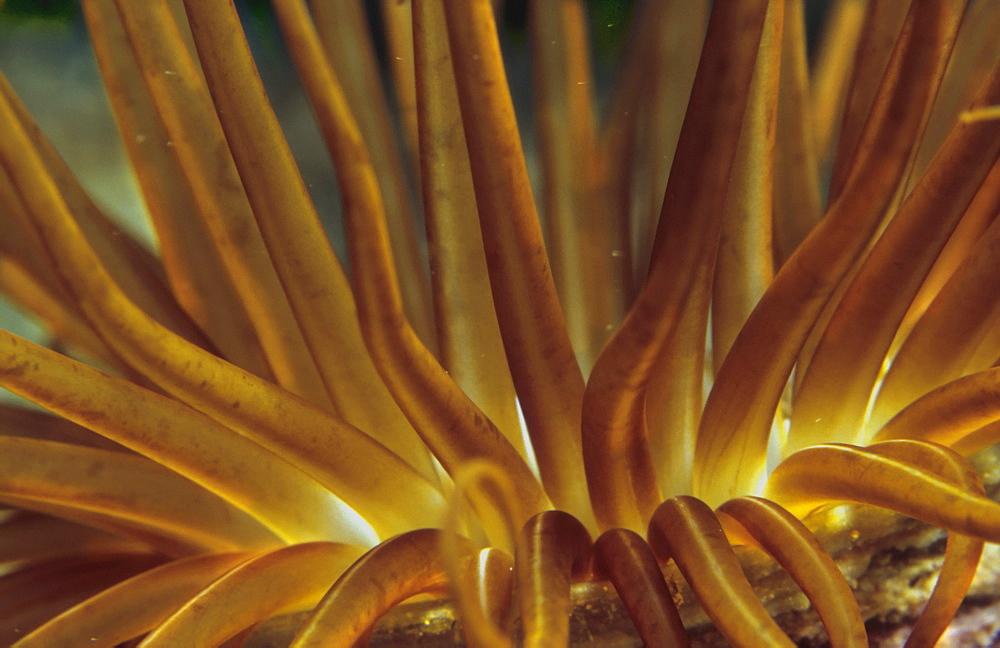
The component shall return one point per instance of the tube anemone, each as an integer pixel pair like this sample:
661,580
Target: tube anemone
680,375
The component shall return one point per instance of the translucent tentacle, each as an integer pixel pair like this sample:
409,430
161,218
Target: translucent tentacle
551,548
738,414
179,438
542,363
446,419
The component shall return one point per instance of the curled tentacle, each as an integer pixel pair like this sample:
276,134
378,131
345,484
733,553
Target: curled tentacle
686,530
816,476
484,596
482,585
796,550
397,569
961,554
551,547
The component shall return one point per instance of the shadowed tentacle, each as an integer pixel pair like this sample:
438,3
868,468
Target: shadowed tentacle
542,363
39,592
624,558
620,475
134,606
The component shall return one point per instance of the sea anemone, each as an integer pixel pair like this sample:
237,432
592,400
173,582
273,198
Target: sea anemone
650,390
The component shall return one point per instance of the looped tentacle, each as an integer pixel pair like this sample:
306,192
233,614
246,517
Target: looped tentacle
392,572
552,547
795,549
686,530
961,554
818,475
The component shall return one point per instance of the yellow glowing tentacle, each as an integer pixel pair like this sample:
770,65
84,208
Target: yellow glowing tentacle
961,555
620,475
624,558
945,338
826,473
134,606
468,333
738,414
951,412
89,485
485,598
310,272
551,548
397,569
451,425
686,530
796,550
480,475
482,587
177,437
319,443
545,372
292,579
733,283
834,394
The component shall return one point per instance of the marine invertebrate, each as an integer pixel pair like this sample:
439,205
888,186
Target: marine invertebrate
262,423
